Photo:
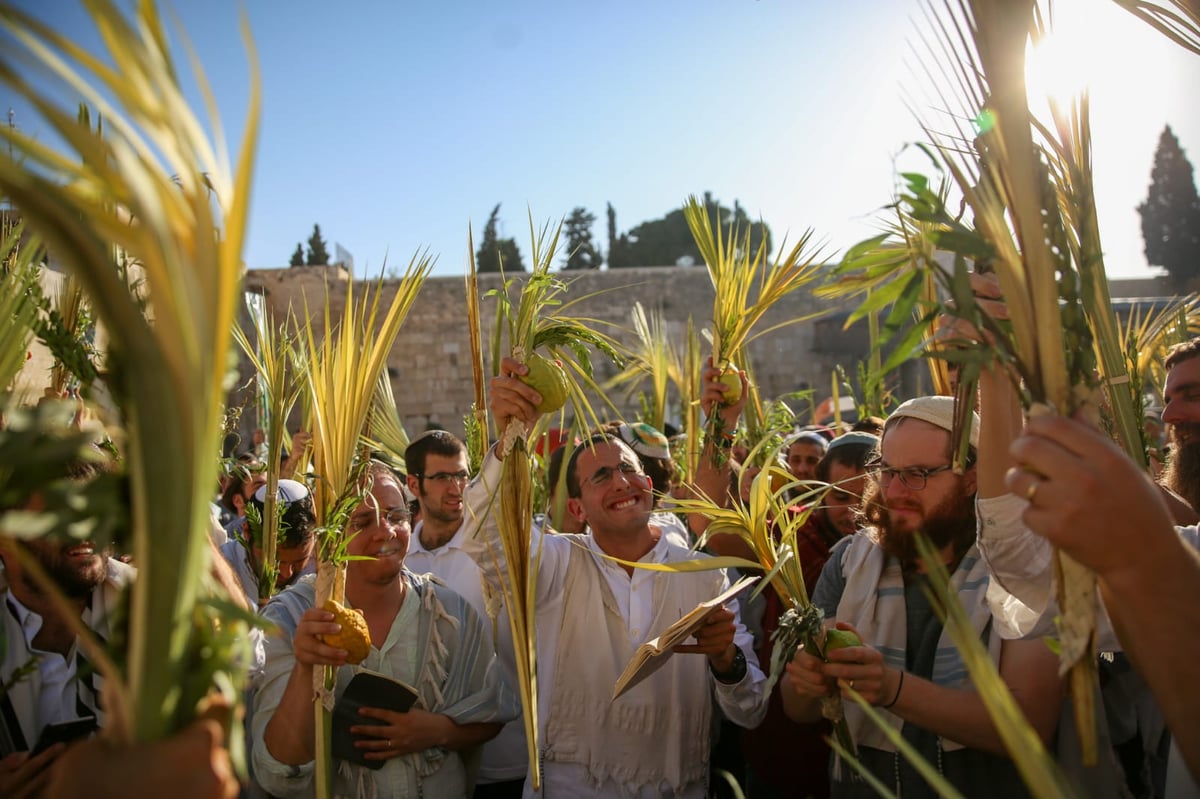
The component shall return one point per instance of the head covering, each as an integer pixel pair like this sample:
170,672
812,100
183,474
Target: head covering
289,491
853,438
644,440
937,411
808,437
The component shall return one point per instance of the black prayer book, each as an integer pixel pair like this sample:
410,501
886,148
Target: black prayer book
366,689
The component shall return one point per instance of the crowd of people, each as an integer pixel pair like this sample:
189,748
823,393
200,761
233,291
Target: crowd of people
426,576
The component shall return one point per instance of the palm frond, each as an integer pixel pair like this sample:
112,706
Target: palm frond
154,186
342,369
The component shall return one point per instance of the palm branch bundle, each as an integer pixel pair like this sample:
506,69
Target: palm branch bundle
1029,188
18,307
475,426
650,357
343,366
279,385
527,325
768,525
736,274
1149,332
385,430
687,370
155,187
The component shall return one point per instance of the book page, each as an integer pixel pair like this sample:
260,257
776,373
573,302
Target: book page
650,656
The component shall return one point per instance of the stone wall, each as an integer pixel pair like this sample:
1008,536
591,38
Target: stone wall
430,362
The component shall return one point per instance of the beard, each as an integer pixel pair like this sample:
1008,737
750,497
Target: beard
1182,474
952,522
76,575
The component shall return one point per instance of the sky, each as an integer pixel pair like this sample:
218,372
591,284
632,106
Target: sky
396,124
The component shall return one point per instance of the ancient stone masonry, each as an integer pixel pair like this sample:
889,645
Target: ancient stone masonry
430,362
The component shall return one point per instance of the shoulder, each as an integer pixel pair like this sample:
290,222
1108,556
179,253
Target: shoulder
120,575
287,606
1190,535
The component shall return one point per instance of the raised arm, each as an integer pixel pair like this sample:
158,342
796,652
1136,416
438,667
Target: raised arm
1097,505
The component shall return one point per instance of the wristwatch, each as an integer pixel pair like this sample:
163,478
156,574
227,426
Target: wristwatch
736,671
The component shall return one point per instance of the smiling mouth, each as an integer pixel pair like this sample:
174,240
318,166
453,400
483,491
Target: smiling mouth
623,504
86,550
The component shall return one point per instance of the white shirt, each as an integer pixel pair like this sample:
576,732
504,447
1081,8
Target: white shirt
505,757
742,703
56,701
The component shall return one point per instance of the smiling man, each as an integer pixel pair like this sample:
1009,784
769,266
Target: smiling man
422,634
593,612
1181,415
62,686
907,666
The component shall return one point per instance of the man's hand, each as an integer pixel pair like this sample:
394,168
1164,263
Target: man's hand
712,396
22,776
806,676
714,638
192,764
862,668
510,398
400,733
310,650
1079,482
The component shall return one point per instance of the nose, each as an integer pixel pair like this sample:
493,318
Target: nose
894,488
1171,414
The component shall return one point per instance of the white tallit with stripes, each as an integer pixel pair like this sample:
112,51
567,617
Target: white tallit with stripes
873,601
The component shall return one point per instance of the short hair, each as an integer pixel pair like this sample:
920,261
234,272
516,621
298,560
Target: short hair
574,489
853,456
436,442
297,524
868,424
1184,351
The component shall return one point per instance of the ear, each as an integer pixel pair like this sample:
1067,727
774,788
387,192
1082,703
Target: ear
414,484
972,479
575,508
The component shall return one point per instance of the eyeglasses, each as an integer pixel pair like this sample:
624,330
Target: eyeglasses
914,478
605,473
446,478
395,517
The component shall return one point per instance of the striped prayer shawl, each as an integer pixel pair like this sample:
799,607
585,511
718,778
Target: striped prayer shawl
873,601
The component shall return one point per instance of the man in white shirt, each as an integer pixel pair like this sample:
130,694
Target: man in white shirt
436,463
47,677
592,613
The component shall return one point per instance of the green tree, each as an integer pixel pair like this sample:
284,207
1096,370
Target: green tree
668,241
297,256
581,252
494,251
1171,214
317,254
618,246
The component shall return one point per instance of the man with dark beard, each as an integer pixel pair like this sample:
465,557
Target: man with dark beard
874,585
1181,414
49,680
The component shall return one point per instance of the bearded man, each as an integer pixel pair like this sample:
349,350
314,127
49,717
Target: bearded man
58,685
874,584
1181,415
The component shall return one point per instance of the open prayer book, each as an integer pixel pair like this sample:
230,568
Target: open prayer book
651,655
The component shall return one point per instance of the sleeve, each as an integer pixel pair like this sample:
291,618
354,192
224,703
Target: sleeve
483,543
277,779
744,702
476,688
1020,593
827,593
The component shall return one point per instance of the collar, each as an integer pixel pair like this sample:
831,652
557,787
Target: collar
455,542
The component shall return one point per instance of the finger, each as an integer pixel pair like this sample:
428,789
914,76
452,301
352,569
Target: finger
691,649
382,714
511,366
